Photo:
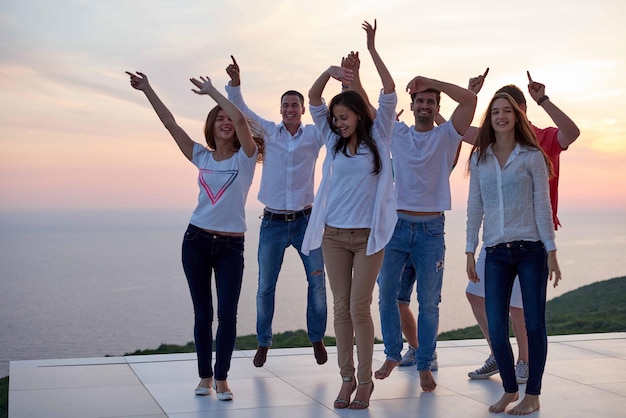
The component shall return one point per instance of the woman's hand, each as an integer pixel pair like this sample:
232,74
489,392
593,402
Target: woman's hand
344,75
554,271
138,80
371,34
471,268
204,85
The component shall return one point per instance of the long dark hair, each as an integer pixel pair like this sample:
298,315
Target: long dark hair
524,133
257,133
353,101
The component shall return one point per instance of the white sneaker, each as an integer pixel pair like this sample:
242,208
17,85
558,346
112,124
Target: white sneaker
434,365
408,359
521,372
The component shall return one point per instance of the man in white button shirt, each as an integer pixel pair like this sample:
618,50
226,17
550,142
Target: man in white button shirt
291,151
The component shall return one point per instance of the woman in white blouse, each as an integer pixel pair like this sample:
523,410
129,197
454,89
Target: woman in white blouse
353,214
509,196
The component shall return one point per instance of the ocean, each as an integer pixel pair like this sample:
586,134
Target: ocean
95,283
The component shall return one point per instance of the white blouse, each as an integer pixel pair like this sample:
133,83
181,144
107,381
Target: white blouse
512,202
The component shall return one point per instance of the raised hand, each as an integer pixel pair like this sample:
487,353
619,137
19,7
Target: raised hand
371,33
418,84
536,90
352,61
138,80
342,74
204,85
476,83
233,72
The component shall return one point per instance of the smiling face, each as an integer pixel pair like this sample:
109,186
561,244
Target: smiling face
425,107
503,117
291,109
345,120
223,127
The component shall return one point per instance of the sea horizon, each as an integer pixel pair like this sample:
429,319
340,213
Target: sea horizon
88,283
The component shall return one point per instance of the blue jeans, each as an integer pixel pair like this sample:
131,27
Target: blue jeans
204,253
503,262
407,283
275,236
423,242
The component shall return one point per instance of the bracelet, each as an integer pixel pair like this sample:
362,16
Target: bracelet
345,86
542,99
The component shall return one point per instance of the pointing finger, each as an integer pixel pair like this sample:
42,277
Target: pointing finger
234,61
486,72
529,77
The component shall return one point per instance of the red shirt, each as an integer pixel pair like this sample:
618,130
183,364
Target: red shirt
548,141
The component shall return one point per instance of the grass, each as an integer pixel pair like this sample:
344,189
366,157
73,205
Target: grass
596,308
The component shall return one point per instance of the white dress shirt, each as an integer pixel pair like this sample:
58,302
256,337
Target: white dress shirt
289,161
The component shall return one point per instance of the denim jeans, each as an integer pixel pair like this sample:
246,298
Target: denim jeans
204,253
407,283
274,238
503,262
422,241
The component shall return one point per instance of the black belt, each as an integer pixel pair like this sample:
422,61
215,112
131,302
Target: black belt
286,217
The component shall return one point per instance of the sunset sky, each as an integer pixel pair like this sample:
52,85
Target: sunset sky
74,134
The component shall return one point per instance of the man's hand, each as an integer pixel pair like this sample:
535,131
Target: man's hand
352,61
419,84
233,72
476,83
536,90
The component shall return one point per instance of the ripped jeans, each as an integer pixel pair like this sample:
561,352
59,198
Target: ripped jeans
423,241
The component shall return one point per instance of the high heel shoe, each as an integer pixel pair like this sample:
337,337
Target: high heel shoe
359,404
344,403
223,396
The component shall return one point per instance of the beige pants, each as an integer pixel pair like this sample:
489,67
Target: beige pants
352,277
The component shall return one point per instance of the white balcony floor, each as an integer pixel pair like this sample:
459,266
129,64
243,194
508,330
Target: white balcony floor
585,377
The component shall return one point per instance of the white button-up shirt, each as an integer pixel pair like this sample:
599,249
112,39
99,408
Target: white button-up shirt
512,202
287,181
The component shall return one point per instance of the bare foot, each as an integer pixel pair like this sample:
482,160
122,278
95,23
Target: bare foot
528,405
261,356
386,369
427,381
506,399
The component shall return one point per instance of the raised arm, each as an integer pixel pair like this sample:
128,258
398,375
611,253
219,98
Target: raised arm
474,85
353,62
339,73
568,131
385,76
140,82
244,135
464,112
